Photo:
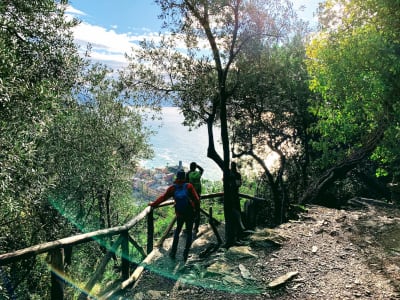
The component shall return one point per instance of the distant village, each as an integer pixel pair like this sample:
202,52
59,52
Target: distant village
149,184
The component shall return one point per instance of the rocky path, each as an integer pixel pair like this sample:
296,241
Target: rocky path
326,254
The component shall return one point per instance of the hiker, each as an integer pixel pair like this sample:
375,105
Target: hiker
194,177
186,200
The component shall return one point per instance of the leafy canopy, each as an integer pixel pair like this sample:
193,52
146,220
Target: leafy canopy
354,62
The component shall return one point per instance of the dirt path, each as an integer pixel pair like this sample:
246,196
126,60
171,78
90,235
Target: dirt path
334,254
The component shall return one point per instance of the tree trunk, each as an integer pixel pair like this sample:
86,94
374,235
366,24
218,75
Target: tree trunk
108,209
101,207
276,185
224,166
211,152
57,272
340,170
230,232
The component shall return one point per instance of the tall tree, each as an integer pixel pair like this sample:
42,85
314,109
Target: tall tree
94,148
354,64
269,117
38,67
39,64
202,77
67,137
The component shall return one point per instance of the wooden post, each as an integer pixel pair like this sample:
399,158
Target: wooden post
100,269
150,231
213,227
216,222
125,255
164,236
57,271
132,279
137,246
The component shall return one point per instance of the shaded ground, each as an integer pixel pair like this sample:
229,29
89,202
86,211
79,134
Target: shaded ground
336,254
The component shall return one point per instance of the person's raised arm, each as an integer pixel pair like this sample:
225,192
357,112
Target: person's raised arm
201,170
168,194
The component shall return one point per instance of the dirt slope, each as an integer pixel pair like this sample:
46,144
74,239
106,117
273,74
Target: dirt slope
352,253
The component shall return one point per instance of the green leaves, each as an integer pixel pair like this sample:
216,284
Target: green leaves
32,88
354,66
95,146
69,141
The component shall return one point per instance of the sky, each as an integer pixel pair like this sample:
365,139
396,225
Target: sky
113,27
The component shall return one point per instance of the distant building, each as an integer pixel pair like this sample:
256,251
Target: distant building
150,183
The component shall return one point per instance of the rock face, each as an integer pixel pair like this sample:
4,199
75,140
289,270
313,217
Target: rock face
327,254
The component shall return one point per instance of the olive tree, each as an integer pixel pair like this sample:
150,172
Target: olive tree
38,67
38,64
69,141
93,149
269,119
195,66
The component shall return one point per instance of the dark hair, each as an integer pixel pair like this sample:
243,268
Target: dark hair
193,166
180,175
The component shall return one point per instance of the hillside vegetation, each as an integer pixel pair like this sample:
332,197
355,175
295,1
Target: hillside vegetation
323,103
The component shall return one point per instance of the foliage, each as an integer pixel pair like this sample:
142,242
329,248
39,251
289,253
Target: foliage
38,66
248,186
269,117
69,141
209,187
354,63
94,148
162,218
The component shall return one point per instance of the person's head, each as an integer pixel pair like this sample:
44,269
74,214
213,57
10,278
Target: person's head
193,166
180,175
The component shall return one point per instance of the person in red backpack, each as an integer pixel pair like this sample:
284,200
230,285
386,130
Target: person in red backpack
186,201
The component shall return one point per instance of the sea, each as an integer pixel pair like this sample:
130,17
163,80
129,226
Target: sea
174,143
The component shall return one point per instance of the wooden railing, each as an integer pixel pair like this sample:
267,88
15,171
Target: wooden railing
55,251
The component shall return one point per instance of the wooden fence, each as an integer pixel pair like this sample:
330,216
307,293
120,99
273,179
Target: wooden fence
55,251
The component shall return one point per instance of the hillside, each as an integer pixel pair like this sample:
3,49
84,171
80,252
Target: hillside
353,253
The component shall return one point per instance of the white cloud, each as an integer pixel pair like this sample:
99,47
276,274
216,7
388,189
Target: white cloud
107,45
103,40
110,47
73,11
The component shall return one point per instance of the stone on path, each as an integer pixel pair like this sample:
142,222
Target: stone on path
245,272
220,268
282,279
267,238
240,252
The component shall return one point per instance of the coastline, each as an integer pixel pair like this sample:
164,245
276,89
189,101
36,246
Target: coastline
174,142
